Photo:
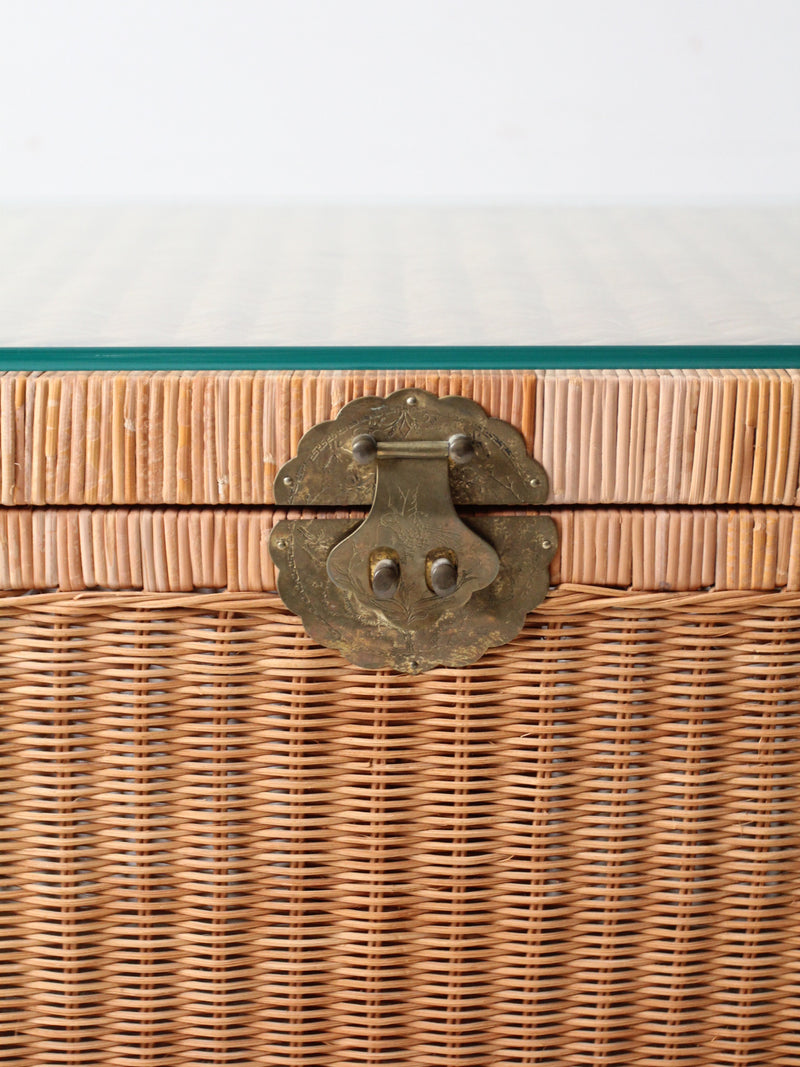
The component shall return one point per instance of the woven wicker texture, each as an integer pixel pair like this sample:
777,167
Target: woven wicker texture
221,844
174,550
614,437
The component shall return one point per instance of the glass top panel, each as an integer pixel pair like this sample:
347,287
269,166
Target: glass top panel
326,286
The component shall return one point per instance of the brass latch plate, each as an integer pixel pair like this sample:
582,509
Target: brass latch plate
415,584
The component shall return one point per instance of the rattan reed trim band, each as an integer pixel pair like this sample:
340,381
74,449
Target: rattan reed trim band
615,437
72,549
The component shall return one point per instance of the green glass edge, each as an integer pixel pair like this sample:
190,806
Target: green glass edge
424,357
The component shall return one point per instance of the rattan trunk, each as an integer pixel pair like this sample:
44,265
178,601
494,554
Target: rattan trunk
224,844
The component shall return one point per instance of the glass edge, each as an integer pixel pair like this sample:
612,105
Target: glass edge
502,357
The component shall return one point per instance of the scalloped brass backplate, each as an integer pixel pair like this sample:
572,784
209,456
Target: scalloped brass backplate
415,584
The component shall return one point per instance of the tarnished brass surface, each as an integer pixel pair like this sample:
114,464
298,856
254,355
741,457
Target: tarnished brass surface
360,629
325,473
413,517
414,585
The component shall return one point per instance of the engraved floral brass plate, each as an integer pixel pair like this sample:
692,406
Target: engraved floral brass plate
414,585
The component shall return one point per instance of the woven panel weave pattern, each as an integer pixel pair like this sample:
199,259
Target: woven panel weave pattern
221,844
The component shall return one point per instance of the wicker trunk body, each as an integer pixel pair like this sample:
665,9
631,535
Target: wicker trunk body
223,844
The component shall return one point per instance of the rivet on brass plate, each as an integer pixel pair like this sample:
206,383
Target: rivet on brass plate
414,585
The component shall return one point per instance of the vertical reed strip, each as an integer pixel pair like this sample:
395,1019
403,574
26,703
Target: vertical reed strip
680,487
55,388
155,427
768,439
571,441
24,531
624,521
245,428
288,398
592,520
87,554
160,568
791,493
108,432
793,565
236,416
785,523
701,457
146,525
73,548
766,577
122,548
257,484
50,550
8,434
38,438
779,440
739,436
134,533
21,495
185,574
169,493
199,440
748,459
169,519
643,577
37,552
143,432
98,548
183,444
9,529
651,458
222,419
131,390
25,440
109,547
550,406
528,386
696,547
709,545
27,539
231,571
209,454
661,558
608,413
194,547
675,443
588,437
76,478
617,484
721,480
728,564
745,521
267,570
613,540
665,425
207,549
219,574
635,456
118,433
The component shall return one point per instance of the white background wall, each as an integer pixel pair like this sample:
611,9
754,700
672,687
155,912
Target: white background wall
331,99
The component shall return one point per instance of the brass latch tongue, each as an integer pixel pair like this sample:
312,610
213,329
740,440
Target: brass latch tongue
414,585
